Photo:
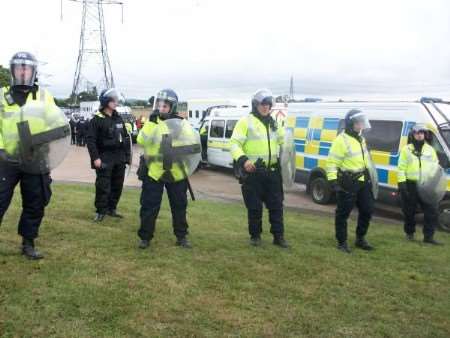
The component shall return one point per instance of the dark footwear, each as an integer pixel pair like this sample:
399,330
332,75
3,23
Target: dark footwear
432,241
29,251
410,237
184,243
344,248
144,244
255,241
363,244
99,217
280,241
113,213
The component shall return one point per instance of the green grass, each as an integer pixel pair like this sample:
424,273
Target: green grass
94,282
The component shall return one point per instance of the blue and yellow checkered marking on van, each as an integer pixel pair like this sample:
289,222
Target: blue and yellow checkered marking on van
314,137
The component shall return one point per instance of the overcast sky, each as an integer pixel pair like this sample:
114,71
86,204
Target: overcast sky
230,48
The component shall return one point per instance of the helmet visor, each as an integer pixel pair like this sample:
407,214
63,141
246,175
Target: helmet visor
163,106
419,128
23,74
114,95
360,121
264,97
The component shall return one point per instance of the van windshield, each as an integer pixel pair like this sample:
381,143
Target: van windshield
445,132
445,108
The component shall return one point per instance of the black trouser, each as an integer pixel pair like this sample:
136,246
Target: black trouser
204,141
109,185
259,188
151,198
36,194
81,139
409,207
74,138
364,201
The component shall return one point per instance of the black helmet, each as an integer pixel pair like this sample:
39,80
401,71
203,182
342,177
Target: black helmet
354,116
108,95
169,96
262,96
24,61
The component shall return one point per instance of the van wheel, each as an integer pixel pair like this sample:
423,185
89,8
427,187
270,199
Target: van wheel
320,190
444,216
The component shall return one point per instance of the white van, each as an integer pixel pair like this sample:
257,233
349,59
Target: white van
316,125
199,109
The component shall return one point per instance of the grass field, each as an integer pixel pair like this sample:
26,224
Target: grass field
94,282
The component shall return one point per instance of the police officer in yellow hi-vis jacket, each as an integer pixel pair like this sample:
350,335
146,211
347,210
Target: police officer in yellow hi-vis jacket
416,159
255,148
25,102
156,175
347,170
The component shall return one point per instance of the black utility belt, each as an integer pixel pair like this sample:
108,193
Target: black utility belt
354,175
269,170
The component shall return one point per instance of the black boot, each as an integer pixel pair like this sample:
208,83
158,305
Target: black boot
279,240
144,244
344,247
113,213
410,237
29,251
99,217
255,241
363,244
183,242
431,240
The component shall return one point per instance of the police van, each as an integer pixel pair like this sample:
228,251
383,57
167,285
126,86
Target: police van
219,126
316,125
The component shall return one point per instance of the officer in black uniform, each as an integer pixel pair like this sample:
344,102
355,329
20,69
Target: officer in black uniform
83,129
109,147
73,126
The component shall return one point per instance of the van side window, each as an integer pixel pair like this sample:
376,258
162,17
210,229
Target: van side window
190,113
443,159
197,114
217,128
384,135
230,127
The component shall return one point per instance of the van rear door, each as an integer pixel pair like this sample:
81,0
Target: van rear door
216,141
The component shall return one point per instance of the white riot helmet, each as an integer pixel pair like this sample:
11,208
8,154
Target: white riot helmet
262,96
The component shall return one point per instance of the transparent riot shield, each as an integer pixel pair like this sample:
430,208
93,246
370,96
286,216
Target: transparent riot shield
287,159
129,166
432,184
373,175
180,146
38,137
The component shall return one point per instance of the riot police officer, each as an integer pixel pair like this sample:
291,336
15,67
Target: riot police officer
73,126
416,159
82,131
159,169
348,170
255,148
204,139
109,148
27,109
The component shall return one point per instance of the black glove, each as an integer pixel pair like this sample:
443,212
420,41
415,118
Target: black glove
403,189
4,157
154,116
335,186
